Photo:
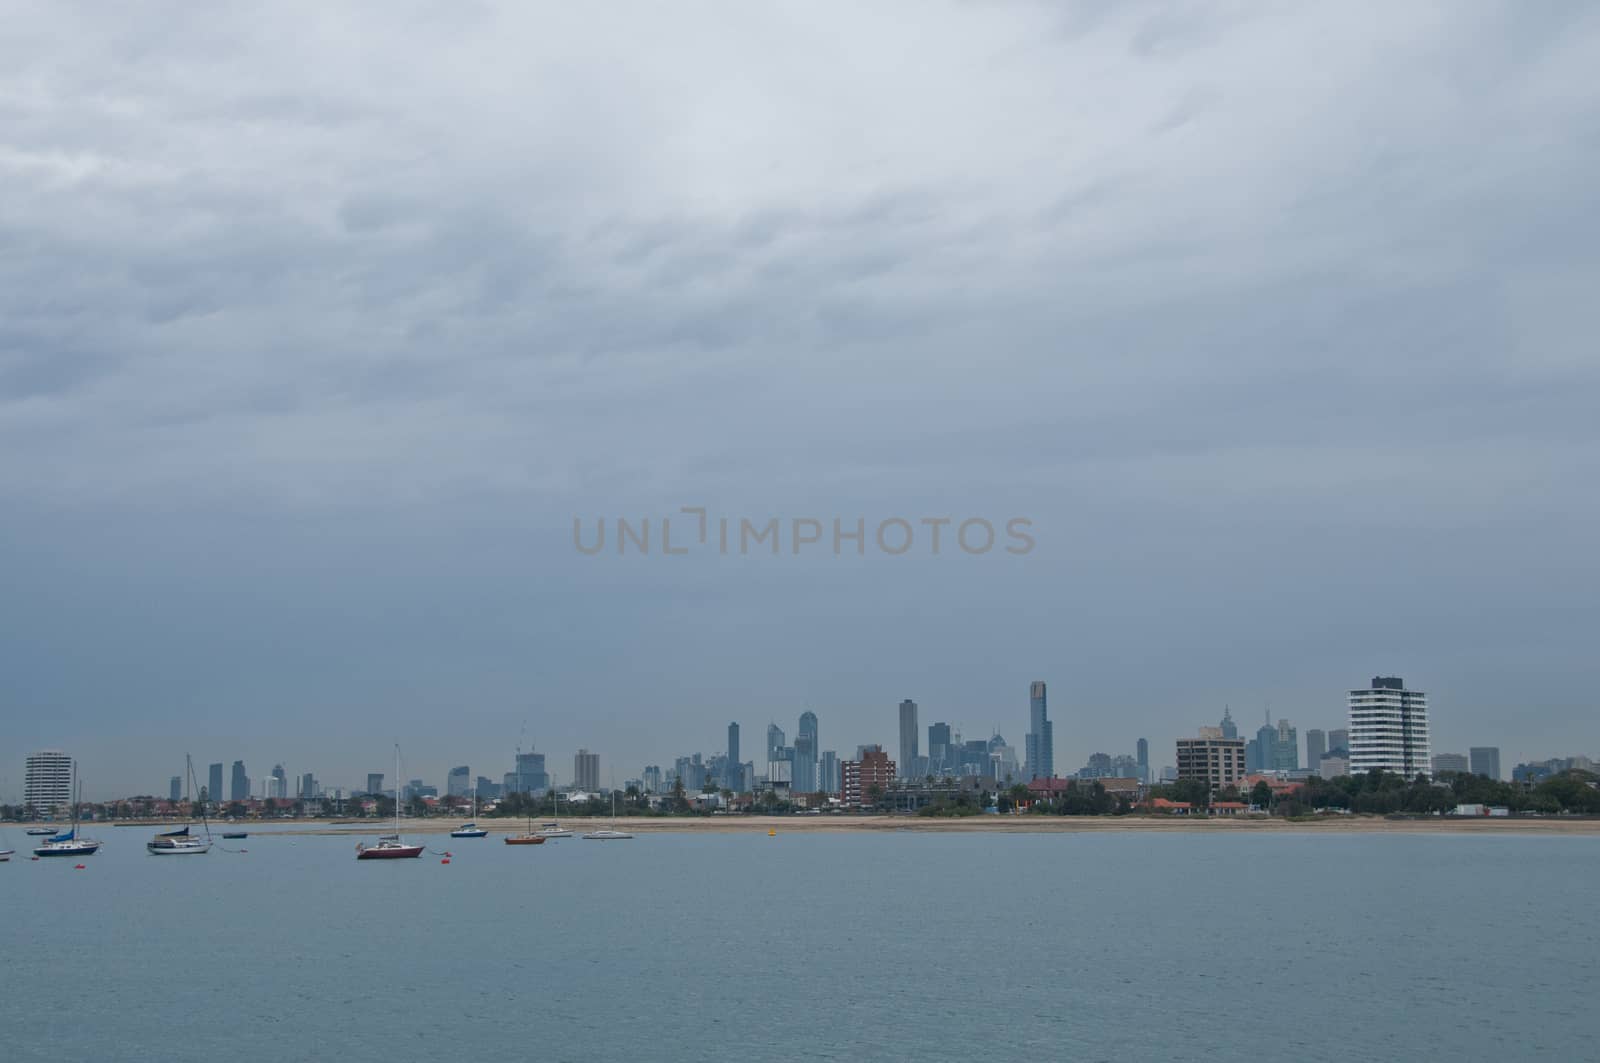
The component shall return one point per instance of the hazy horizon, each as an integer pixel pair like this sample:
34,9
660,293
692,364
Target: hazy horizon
319,328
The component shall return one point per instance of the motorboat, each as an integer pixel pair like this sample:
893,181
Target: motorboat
39,832
469,830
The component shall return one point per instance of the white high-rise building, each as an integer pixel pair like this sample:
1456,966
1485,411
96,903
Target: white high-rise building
1389,729
47,780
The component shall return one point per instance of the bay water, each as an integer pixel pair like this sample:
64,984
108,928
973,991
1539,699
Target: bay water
810,946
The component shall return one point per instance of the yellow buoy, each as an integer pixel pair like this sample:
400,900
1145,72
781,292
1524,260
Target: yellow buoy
771,833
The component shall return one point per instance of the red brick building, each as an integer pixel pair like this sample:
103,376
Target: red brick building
860,779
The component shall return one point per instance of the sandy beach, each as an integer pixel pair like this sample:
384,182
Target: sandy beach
973,824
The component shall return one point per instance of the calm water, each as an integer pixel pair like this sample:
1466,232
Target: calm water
884,946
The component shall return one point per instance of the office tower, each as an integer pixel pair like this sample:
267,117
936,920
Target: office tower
487,789
1389,729
908,735
1485,760
652,779
1229,728
1097,767
308,787
214,783
1126,767
1211,759
374,782
280,782
458,783
940,761
1040,744
1266,747
1316,745
239,783
586,771
775,742
530,776
1339,738
47,780
805,755
1286,748
863,781
1142,757
175,788
828,772
1456,762
731,768
1003,759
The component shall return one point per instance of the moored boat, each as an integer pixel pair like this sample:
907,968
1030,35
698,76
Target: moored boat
39,832
390,847
69,844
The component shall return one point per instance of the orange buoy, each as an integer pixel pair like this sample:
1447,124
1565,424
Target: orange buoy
78,867
446,860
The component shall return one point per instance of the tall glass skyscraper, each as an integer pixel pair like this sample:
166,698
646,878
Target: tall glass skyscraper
908,738
1039,749
214,783
732,773
805,755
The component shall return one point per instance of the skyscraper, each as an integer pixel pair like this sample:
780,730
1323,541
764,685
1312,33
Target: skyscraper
805,755
1229,728
1339,738
458,781
47,780
1316,745
1286,748
1266,742
239,784
1040,744
1389,729
530,776
308,787
1456,762
828,772
175,788
1485,760
375,782
214,783
940,759
280,782
732,771
586,772
775,743
908,736
1142,758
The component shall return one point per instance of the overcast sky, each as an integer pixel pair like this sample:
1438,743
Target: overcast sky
319,327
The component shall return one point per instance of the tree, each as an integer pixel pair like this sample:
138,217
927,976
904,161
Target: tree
1261,795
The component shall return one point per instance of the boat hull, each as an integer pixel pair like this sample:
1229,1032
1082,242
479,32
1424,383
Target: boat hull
393,852
68,850
607,836
469,834
157,849
533,839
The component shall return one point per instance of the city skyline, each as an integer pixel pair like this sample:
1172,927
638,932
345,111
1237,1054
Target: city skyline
530,765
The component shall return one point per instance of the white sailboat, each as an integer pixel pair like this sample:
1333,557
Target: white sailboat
471,829
390,847
180,842
613,834
554,829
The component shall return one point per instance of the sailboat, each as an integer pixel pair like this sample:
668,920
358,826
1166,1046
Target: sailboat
390,847
69,844
554,829
531,837
180,842
612,834
471,829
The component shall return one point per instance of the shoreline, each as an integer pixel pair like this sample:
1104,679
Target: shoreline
969,825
